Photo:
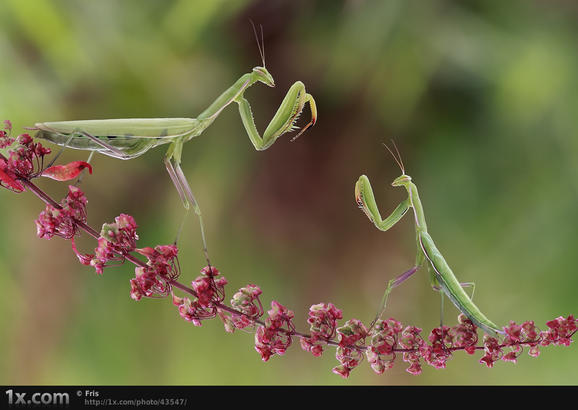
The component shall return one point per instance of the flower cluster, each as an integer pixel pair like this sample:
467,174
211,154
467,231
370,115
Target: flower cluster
275,336
322,325
390,337
560,333
210,293
25,159
5,139
115,242
155,278
63,220
351,339
380,351
246,301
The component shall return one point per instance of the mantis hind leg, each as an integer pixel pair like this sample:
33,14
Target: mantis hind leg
435,286
117,153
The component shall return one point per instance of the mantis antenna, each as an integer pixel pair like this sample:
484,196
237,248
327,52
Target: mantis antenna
261,45
397,158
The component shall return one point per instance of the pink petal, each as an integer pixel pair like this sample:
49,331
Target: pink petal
10,182
66,172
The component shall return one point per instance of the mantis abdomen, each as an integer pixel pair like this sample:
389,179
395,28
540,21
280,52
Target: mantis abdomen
131,136
451,286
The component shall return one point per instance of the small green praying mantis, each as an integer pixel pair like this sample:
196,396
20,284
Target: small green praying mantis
441,276
130,138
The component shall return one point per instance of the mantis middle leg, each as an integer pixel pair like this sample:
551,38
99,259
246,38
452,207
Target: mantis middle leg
173,164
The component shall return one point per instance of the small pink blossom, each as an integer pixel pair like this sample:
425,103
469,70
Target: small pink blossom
275,337
25,158
413,344
351,338
161,269
247,302
493,351
192,311
5,139
561,331
116,240
121,233
464,335
381,351
438,353
322,325
63,222
210,291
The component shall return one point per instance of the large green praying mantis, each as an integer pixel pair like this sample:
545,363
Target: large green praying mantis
130,138
441,276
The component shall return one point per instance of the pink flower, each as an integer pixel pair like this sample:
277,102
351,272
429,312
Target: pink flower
210,291
25,160
116,240
351,337
5,139
192,311
561,331
275,336
246,301
493,351
322,324
342,371
381,351
162,267
63,222
438,353
121,233
465,335
413,343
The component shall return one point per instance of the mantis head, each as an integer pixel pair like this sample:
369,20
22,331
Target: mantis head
401,180
261,74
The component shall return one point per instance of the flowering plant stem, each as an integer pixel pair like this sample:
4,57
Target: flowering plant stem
379,344
131,258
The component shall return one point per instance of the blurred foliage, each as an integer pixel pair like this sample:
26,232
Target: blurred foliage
480,96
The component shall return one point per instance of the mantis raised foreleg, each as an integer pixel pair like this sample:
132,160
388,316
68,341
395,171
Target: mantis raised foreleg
441,275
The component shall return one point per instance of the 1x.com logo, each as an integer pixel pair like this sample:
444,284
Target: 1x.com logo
46,398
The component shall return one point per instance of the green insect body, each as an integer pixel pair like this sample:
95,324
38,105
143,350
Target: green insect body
130,138
441,276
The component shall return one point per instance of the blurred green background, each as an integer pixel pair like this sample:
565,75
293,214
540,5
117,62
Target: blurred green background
480,96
